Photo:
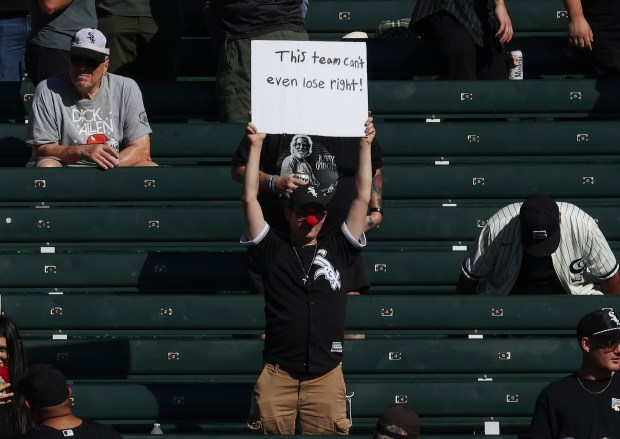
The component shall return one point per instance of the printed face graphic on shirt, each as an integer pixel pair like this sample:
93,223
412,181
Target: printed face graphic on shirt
312,161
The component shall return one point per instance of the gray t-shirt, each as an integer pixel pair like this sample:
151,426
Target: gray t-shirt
60,116
56,31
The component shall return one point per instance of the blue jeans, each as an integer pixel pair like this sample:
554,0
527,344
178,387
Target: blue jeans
304,7
13,33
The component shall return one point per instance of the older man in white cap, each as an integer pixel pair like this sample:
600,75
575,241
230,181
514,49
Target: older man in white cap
88,116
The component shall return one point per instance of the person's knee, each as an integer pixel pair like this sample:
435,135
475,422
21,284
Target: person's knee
48,163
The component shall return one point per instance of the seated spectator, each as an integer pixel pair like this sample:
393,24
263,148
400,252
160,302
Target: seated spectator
301,385
74,113
54,22
14,416
469,36
398,421
49,399
595,25
539,247
143,35
585,404
14,28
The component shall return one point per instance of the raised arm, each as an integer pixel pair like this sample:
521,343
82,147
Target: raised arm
356,218
254,219
375,208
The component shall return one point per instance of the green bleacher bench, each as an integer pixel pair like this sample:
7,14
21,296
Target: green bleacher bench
180,100
216,268
511,178
400,314
82,185
421,267
419,178
185,355
492,99
13,149
472,401
183,101
342,16
215,143
517,138
198,222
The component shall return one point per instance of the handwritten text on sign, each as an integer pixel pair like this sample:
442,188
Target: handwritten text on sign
308,87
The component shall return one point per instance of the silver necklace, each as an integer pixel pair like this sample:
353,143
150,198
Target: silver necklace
590,391
303,270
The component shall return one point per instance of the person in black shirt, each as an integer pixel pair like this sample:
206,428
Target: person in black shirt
595,25
14,416
301,387
49,398
586,404
468,34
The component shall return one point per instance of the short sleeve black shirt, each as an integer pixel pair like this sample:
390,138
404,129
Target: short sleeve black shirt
564,409
305,321
86,430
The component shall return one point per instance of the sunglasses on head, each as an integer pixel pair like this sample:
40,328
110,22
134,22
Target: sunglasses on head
84,62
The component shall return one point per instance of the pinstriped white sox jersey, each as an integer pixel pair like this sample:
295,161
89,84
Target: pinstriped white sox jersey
495,259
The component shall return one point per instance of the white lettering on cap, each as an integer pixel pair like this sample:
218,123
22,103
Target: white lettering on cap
539,234
613,318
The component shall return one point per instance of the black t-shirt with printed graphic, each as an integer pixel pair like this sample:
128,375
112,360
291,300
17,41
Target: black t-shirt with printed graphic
305,320
565,409
333,161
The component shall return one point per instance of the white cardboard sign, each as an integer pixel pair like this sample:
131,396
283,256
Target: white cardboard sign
309,87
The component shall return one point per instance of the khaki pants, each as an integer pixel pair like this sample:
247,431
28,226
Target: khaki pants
289,403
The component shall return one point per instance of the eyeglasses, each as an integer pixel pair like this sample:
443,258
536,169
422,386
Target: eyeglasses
609,345
302,214
84,62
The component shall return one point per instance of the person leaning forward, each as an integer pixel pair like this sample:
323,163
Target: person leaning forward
76,114
539,247
301,387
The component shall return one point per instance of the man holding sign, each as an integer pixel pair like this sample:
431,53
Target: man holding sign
327,160
301,387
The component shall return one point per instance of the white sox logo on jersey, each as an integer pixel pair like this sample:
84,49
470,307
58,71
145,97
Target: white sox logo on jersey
327,270
577,266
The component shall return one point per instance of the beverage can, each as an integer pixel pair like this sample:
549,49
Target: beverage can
113,143
516,72
303,176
